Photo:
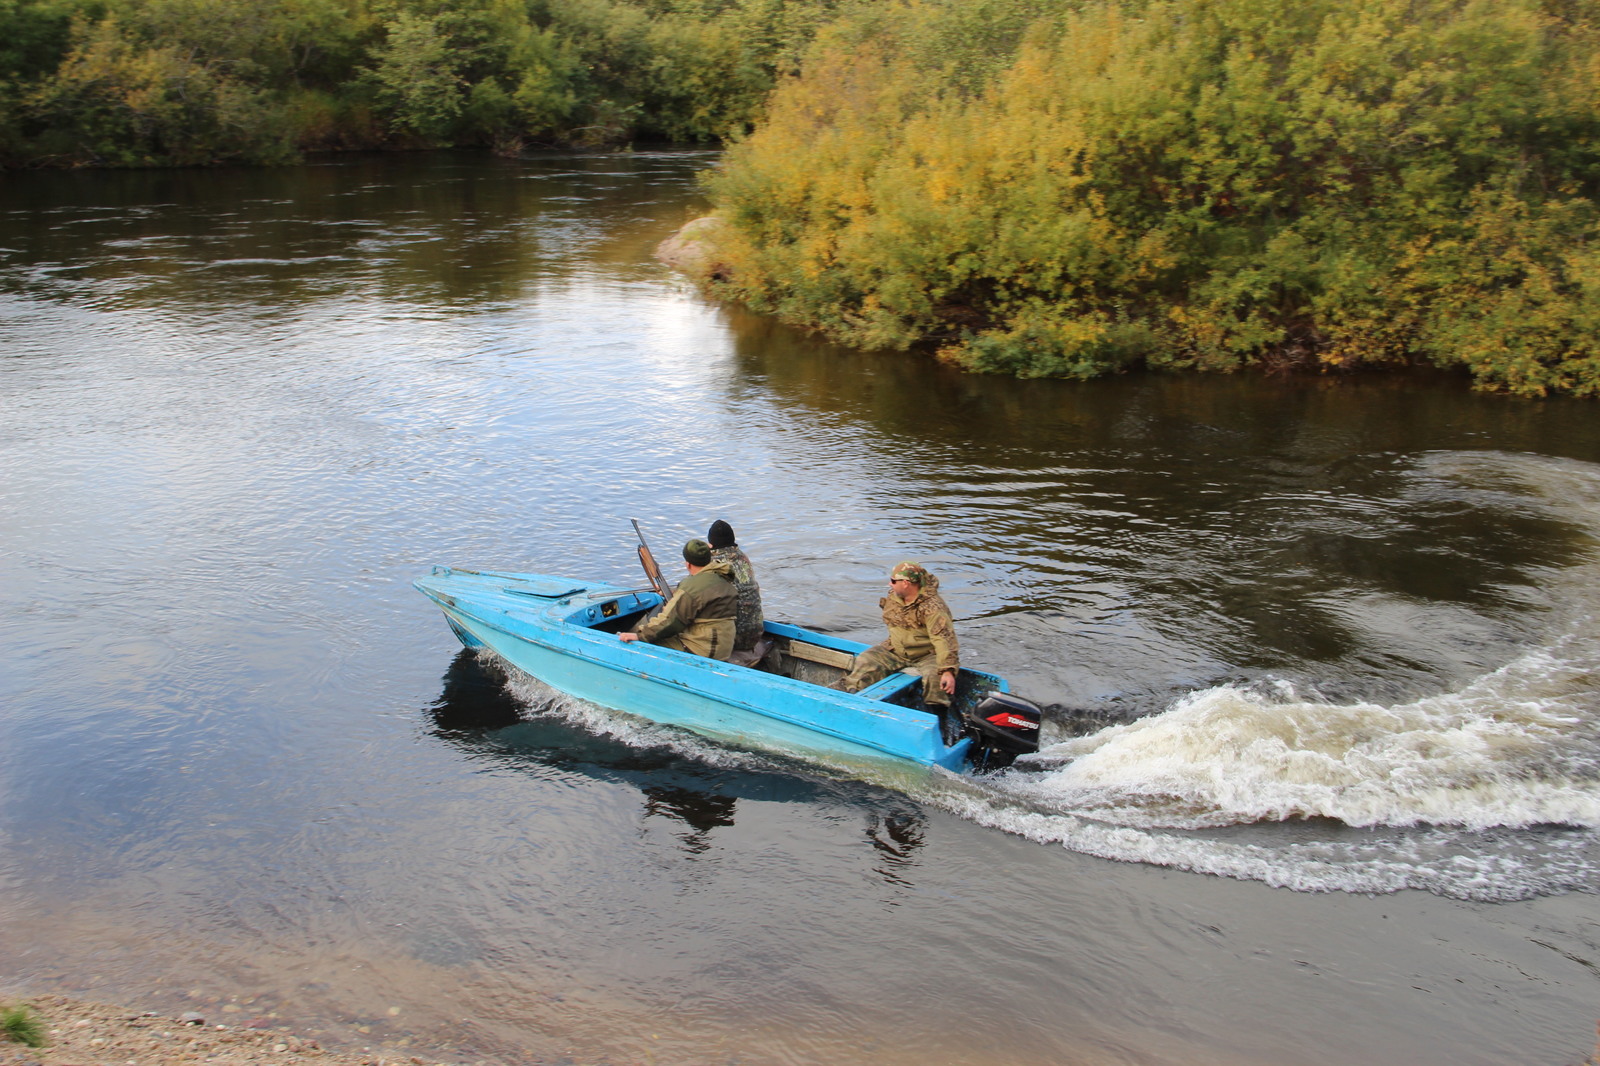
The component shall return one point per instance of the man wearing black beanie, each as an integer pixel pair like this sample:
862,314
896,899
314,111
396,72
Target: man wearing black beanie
748,620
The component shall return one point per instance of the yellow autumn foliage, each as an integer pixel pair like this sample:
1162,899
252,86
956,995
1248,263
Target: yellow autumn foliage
1071,189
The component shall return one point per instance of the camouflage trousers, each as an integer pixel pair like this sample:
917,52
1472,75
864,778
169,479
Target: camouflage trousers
880,660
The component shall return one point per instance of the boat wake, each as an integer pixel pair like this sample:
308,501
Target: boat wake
1514,749
1492,792
1488,792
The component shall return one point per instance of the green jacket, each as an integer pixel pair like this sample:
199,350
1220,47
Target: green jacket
922,627
699,616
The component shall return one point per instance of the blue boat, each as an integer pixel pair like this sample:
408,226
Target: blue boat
564,633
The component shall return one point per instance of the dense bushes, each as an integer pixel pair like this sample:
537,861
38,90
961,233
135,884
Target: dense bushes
1198,184
133,82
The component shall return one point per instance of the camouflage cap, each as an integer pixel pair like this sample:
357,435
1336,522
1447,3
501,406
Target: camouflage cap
909,571
697,552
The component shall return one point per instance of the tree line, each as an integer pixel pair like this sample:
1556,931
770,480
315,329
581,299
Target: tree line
195,82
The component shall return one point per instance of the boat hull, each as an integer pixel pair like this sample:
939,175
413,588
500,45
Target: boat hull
563,632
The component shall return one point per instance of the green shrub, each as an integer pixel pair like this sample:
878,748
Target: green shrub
21,1025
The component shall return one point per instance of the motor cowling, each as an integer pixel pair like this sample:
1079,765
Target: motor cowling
1005,724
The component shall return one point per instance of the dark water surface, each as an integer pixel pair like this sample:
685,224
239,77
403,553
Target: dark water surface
1321,784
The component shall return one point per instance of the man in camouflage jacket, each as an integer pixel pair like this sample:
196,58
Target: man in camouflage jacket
748,620
922,636
698,618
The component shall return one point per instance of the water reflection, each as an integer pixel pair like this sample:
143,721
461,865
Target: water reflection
474,700
896,837
448,232
480,711
699,810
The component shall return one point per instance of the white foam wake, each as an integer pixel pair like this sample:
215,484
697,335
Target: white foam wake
1491,791
1515,748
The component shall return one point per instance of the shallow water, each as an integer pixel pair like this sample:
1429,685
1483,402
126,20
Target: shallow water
1320,783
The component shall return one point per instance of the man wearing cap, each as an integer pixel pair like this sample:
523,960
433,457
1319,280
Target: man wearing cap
699,617
748,620
922,637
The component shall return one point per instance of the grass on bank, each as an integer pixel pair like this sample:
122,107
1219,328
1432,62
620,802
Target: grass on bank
21,1025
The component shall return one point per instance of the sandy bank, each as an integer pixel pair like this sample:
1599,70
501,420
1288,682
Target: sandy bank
92,1034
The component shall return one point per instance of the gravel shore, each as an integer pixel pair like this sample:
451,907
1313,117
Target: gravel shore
92,1034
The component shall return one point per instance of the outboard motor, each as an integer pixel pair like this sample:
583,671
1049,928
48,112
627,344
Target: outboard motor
1003,726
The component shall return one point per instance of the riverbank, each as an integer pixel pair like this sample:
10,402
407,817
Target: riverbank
81,1033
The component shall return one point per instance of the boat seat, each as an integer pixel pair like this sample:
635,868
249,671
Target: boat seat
816,653
901,681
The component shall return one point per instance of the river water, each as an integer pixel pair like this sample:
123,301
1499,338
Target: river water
1322,773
